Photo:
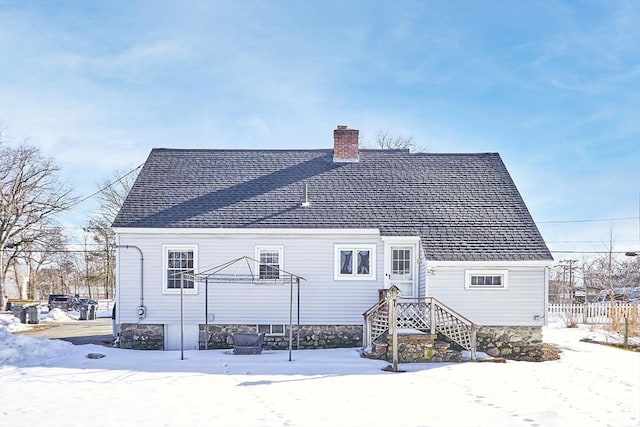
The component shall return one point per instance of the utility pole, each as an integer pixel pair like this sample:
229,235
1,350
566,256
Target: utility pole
564,277
573,289
86,262
568,263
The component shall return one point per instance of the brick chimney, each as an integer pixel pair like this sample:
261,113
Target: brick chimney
345,144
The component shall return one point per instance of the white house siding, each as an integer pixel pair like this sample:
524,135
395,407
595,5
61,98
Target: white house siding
517,305
422,273
323,300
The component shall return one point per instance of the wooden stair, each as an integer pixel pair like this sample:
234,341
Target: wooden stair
424,314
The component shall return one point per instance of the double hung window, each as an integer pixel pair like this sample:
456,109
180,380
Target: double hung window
180,263
269,262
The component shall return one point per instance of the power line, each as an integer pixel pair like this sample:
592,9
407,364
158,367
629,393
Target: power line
590,241
68,251
591,252
106,186
588,220
63,251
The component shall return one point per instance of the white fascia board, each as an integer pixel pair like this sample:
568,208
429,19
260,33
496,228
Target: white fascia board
497,263
244,231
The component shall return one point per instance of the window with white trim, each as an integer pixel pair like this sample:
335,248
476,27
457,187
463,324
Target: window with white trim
179,259
486,279
355,262
271,329
269,262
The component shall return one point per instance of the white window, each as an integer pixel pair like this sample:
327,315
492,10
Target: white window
269,263
355,262
485,279
271,329
179,259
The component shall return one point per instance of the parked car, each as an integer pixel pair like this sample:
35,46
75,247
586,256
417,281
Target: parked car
87,301
64,302
54,296
619,295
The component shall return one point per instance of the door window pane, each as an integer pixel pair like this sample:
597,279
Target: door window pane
401,264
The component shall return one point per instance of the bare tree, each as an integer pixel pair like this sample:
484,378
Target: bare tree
61,276
31,195
40,254
609,271
112,195
111,198
386,141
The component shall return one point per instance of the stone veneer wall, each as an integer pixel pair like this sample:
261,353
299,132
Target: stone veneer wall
136,336
511,342
311,336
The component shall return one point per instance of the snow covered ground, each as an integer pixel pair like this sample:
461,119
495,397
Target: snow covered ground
54,381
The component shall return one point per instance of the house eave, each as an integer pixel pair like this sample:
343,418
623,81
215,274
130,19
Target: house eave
494,263
247,231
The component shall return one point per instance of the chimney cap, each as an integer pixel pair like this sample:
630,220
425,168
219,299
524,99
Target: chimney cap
342,127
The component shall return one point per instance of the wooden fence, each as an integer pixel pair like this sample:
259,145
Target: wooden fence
593,313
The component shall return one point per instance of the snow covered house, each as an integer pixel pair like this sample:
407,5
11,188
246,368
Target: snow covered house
212,242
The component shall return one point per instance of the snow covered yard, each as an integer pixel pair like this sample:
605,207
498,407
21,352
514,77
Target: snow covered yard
40,379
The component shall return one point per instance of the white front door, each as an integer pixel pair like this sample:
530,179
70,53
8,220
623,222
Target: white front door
401,270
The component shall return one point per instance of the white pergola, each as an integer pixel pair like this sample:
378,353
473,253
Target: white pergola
247,271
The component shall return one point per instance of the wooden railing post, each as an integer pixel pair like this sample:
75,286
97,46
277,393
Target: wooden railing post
392,298
367,332
432,320
474,331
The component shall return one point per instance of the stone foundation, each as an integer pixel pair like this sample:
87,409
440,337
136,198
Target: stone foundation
137,336
511,342
420,348
311,336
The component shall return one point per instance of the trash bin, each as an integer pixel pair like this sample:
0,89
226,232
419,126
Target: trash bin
16,309
23,314
33,314
83,312
92,312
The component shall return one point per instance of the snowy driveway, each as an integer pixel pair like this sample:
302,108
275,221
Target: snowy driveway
78,332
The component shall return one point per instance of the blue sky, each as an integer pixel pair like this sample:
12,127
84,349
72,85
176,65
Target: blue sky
554,87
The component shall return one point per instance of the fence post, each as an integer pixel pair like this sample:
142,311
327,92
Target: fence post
626,331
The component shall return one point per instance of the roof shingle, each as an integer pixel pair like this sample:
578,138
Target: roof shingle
463,206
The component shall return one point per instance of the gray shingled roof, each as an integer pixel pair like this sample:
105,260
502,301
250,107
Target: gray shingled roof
464,206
